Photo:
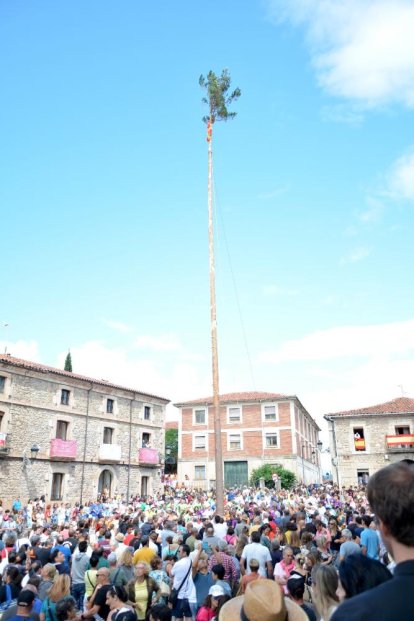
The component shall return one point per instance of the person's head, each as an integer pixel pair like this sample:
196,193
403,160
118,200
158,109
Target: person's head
94,561
215,592
366,521
57,557
346,534
116,596
296,587
156,563
159,612
60,587
83,546
169,539
103,576
254,566
321,541
48,572
127,557
13,575
358,573
112,559
66,609
218,572
288,555
184,550
142,570
391,497
255,536
25,601
144,541
324,586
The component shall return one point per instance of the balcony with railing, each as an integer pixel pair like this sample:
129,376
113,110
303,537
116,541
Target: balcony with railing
400,443
4,444
109,453
63,449
148,456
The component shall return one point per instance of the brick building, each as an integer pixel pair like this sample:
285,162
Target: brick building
69,437
364,440
256,428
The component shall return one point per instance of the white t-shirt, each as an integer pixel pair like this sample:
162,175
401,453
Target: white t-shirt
179,572
260,553
220,530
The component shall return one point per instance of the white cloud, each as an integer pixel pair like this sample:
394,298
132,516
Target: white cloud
361,50
373,212
276,290
401,178
166,342
27,350
176,380
355,255
347,341
118,326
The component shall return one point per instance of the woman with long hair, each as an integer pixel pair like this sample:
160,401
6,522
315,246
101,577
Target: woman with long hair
322,550
126,563
58,591
142,589
358,573
161,578
12,584
336,538
324,586
208,610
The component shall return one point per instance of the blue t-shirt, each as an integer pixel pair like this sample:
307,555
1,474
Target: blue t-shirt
370,540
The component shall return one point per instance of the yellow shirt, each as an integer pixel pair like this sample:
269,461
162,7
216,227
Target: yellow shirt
141,599
143,554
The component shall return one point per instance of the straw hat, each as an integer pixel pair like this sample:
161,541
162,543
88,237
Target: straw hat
262,601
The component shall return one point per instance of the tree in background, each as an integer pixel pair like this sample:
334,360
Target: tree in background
217,99
68,363
171,440
287,477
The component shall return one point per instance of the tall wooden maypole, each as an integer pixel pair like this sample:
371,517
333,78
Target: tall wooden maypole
217,101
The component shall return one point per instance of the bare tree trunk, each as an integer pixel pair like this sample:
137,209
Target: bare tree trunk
214,353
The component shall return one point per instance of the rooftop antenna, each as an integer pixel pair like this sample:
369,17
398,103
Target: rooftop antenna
403,393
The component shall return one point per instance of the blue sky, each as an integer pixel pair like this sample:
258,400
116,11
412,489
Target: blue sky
103,182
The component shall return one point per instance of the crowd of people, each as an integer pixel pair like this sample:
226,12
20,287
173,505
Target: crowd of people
316,552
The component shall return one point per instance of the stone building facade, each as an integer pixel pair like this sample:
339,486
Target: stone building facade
364,440
256,428
70,437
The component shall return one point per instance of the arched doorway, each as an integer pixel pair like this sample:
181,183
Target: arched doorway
105,484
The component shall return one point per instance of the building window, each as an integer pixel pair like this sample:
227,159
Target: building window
199,473
362,476
199,417
62,430
200,443
1,420
109,406
64,397
234,414
146,440
108,434
147,412
234,441
271,440
269,413
359,439
2,383
57,486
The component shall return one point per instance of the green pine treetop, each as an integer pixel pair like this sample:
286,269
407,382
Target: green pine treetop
68,363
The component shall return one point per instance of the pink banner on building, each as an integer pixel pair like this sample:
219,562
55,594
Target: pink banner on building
63,448
148,456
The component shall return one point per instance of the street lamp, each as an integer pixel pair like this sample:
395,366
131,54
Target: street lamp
33,454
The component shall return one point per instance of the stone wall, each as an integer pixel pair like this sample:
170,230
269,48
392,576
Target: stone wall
377,454
31,403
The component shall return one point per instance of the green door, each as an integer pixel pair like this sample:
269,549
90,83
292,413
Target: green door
235,473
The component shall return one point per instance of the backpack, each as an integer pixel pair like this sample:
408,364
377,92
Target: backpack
9,600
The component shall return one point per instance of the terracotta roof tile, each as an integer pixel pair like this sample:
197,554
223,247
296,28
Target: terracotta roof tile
401,405
235,397
35,366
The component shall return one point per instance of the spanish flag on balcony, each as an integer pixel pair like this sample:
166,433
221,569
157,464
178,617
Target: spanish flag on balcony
360,444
